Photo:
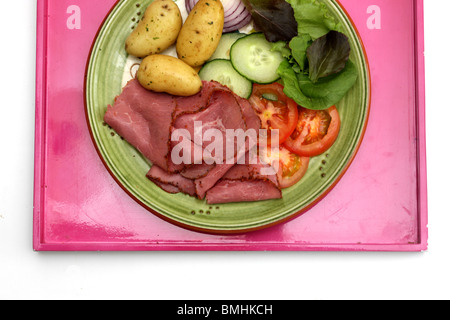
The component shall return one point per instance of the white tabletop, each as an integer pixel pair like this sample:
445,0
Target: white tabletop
25,274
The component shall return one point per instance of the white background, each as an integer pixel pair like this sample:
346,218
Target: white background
25,274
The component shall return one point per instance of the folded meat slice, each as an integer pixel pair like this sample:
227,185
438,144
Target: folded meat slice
227,191
171,182
197,171
252,120
203,184
167,187
191,105
224,113
131,126
143,119
199,101
244,183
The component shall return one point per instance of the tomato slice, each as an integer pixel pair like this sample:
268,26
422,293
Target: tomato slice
275,109
291,169
315,133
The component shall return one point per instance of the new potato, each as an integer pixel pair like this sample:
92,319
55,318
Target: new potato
201,33
158,29
162,73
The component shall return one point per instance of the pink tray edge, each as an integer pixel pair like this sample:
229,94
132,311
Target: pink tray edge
39,127
420,100
39,245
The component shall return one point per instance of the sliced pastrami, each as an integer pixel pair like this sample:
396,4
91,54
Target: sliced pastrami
197,102
226,191
222,114
245,182
143,118
165,179
147,121
197,171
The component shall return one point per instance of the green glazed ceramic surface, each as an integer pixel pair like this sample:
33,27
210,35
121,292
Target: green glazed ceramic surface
128,167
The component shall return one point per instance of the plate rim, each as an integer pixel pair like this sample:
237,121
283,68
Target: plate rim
218,230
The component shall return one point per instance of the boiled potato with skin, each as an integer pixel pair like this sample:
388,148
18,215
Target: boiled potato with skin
157,30
201,32
163,73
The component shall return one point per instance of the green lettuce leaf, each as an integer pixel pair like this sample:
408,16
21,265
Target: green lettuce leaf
321,95
313,18
298,46
292,85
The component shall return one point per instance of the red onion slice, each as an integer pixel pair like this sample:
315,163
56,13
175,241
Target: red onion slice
238,25
230,6
190,4
236,14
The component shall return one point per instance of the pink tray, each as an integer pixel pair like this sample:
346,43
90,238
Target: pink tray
380,204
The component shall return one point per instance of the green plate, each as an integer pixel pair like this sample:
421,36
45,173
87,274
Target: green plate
105,70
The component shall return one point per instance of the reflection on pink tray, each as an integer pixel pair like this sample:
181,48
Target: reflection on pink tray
379,204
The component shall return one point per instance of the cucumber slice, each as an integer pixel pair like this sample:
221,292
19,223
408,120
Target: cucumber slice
252,57
225,43
222,71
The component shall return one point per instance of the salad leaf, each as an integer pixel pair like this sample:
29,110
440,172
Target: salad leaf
281,47
330,90
318,73
292,85
327,55
313,18
275,18
299,45
321,95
